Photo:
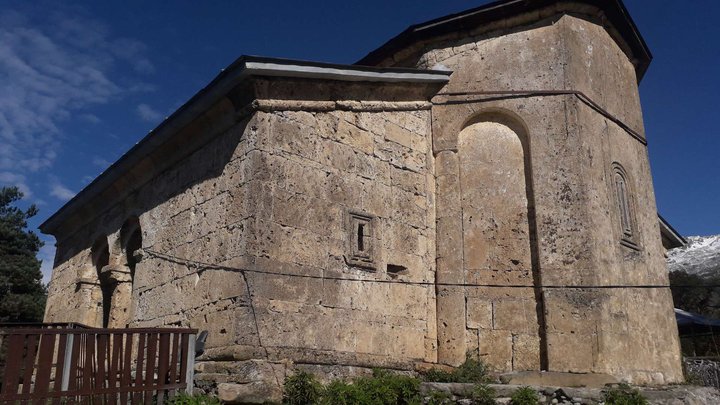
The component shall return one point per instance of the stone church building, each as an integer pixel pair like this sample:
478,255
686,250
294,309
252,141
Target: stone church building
478,184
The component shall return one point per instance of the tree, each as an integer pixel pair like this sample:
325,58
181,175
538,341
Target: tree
22,294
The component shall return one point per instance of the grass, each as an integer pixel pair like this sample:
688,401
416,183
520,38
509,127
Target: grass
471,371
195,399
525,396
382,388
482,394
624,395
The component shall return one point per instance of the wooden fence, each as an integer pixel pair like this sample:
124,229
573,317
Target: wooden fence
71,363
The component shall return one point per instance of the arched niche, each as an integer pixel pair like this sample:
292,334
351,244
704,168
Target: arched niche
130,242
499,243
496,193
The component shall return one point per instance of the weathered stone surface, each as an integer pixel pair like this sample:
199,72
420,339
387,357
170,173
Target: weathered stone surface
250,393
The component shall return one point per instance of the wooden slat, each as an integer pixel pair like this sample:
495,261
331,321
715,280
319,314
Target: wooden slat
102,362
75,362
163,357
174,358
29,362
151,361
60,366
137,399
115,364
88,367
13,364
45,363
125,377
183,357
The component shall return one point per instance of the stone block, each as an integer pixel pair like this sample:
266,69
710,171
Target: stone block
496,349
582,347
355,137
518,316
573,311
451,326
397,134
336,155
290,137
479,313
526,352
261,388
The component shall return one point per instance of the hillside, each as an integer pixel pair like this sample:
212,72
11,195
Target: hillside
700,257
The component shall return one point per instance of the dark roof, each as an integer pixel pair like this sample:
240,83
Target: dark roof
670,235
693,324
614,10
241,69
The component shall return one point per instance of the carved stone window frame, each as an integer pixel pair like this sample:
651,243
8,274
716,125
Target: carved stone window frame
361,237
624,202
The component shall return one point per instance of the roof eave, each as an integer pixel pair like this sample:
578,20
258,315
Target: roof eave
243,68
670,233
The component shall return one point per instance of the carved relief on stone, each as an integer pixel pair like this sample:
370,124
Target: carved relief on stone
625,207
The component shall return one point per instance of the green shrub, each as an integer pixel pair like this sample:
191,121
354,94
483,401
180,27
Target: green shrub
340,392
382,388
624,395
525,396
437,397
482,394
471,371
302,388
385,388
195,399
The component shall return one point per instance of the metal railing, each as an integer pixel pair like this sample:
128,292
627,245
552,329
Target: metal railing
61,363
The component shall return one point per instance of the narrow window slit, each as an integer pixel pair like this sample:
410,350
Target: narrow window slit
361,237
360,240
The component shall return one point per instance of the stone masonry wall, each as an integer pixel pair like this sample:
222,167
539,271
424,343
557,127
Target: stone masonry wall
318,168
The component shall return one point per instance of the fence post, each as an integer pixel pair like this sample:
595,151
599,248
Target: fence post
65,382
190,372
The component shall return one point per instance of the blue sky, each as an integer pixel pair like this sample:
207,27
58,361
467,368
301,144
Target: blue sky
81,82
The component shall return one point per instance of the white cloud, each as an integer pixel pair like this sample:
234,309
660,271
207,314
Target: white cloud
56,65
13,179
147,113
100,162
144,66
91,118
61,192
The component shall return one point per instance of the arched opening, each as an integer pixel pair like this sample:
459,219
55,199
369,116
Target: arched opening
100,253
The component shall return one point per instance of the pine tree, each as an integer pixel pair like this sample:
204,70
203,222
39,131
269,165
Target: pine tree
22,294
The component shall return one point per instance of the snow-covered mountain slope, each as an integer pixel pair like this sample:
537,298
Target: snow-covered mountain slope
701,256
